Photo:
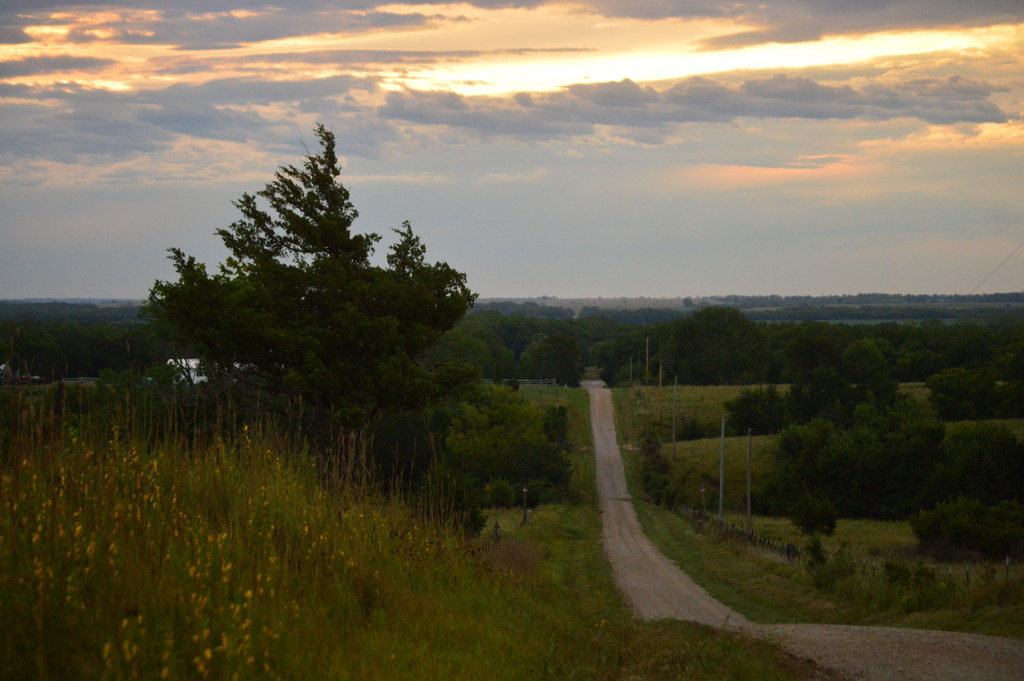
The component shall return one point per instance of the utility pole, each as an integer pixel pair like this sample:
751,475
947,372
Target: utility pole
647,359
721,476
674,382
749,521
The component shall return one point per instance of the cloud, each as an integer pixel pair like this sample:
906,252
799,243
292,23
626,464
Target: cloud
500,178
785,21
217,25
581,109
67,121
31,66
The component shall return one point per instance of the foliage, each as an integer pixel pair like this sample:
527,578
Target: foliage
873,469
245,560
827,571
86,313
500,437
556,356
556,425
960,394
656,475
54,350
968,525
298,309
983,461
715,346
640,316
500,493
761,409
529,308
476,345
813,513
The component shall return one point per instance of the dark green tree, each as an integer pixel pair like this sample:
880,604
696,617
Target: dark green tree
983,461
813,513
556,356
762,410
959,394
499,436
299,311
716,346
868,371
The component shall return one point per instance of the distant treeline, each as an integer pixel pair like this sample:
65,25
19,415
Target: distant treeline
878,313
860,307
53,350
710,345
747,302
527,309
62,311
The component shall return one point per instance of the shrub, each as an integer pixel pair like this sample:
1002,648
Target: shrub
814,513
965,526
827,572
500,493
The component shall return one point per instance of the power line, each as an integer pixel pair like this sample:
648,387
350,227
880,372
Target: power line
997,268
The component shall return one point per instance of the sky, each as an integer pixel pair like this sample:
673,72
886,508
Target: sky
610,148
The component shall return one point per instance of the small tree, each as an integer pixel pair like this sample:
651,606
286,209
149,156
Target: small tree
298,310
814,513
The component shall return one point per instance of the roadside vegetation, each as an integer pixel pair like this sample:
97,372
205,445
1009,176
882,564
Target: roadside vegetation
865,571
247,555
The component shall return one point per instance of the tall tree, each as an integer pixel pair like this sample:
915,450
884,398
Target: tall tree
298,309
717,345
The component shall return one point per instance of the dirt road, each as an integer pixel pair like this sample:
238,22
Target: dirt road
655,588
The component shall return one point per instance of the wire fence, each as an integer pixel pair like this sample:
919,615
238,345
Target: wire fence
875,569
521,381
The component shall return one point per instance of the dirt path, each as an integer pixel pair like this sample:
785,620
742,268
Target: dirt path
655,588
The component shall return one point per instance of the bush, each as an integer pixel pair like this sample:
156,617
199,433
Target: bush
827,571
814,513
500,493
967,526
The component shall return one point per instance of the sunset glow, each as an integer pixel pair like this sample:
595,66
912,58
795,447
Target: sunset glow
910,111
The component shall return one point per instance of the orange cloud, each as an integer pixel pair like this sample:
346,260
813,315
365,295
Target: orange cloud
714,177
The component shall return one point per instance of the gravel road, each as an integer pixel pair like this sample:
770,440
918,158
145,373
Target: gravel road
655,588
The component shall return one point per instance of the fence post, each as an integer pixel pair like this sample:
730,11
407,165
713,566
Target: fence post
968,578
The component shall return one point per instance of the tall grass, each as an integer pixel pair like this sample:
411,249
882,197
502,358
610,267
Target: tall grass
244,557
123,562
